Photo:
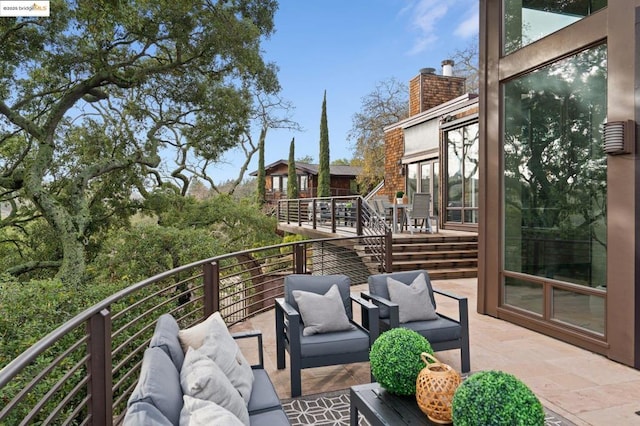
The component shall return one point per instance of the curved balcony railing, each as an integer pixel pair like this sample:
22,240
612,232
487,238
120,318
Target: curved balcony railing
84,371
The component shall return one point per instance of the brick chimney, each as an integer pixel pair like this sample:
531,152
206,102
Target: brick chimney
428,89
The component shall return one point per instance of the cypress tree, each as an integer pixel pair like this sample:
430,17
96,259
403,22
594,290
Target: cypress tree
324,176
292,181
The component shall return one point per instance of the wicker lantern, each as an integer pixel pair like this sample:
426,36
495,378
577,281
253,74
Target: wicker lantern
435,387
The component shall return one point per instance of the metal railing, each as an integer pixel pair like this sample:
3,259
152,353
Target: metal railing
350,215
84,371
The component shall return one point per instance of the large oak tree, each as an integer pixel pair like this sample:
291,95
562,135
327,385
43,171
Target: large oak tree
92,97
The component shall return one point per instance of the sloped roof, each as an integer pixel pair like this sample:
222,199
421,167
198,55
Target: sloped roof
312,169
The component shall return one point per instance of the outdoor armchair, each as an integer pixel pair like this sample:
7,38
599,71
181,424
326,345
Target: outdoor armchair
329,335
442,332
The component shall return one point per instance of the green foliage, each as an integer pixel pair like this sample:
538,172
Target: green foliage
496,398
324,170
292,182
395,359
399,194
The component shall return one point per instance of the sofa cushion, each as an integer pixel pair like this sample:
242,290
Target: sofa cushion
222,348
270,418
322,313
159,384
165,337
144,413
202,378
199,412
414,303
263,394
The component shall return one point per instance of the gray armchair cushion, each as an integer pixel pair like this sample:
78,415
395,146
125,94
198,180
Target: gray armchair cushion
159,384
165,337
414,303
319,284
378,286
322,313
270,418
341,342
144,413
440,330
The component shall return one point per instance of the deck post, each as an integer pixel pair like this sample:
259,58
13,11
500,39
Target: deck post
99,366
211,284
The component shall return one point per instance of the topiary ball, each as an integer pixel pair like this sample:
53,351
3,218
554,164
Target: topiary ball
495,398
395,359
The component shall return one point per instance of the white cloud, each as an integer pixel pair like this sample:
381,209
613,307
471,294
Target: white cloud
469,27
426,14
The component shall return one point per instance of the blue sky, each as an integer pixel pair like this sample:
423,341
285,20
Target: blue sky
345,47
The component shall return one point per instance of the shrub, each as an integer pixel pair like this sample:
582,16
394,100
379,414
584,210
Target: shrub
395,359
496,398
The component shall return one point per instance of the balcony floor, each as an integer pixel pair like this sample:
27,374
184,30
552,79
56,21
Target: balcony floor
586,388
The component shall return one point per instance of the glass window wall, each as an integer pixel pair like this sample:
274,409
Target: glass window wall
526,21
555,172
462,174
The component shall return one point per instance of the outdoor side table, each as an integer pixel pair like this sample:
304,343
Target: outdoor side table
382,408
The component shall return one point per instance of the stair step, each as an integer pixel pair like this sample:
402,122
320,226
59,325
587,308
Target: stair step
438,263
432,255
434,246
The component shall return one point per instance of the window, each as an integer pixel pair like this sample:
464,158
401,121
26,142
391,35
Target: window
462,174
303,183
526,21
554,187
276,184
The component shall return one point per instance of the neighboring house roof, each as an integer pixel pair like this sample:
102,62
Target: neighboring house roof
312,169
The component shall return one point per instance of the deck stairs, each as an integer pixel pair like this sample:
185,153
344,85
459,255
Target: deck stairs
443,255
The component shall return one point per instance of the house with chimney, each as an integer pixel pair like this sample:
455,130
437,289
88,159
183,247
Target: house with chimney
435,149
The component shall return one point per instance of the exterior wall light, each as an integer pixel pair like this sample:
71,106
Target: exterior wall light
620,137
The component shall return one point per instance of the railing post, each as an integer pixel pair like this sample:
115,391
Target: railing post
99,366
211,284
288,208
359,216
278,214
298,258
333,215
388,252
299,213
313,212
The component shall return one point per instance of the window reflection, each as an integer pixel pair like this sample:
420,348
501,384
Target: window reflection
555,171
526,21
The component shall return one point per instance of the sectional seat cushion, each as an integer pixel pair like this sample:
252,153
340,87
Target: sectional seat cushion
159,384
165,336
322,313
202,378
222,348
198,412
414,302
144,413
263,394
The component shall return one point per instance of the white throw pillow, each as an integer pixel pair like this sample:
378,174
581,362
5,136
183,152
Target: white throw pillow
198,412
322,313
202,378
414,302
193,337
222,348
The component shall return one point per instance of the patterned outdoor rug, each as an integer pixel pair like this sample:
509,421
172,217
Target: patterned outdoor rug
332,408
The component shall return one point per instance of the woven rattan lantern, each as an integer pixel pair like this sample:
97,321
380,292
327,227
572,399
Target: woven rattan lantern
435,386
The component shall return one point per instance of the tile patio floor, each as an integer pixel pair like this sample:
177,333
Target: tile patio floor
584,387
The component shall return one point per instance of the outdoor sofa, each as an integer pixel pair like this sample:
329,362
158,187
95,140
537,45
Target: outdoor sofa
167,370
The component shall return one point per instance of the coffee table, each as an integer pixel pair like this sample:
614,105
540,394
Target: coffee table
380,407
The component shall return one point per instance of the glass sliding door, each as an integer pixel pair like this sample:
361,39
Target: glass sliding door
462,175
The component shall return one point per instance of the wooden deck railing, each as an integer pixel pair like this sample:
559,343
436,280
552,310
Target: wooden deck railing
84,371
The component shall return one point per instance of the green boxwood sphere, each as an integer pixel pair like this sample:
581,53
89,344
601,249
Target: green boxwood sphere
395,359
495,398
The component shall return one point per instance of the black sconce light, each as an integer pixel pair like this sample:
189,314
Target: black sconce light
400,167
620,137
